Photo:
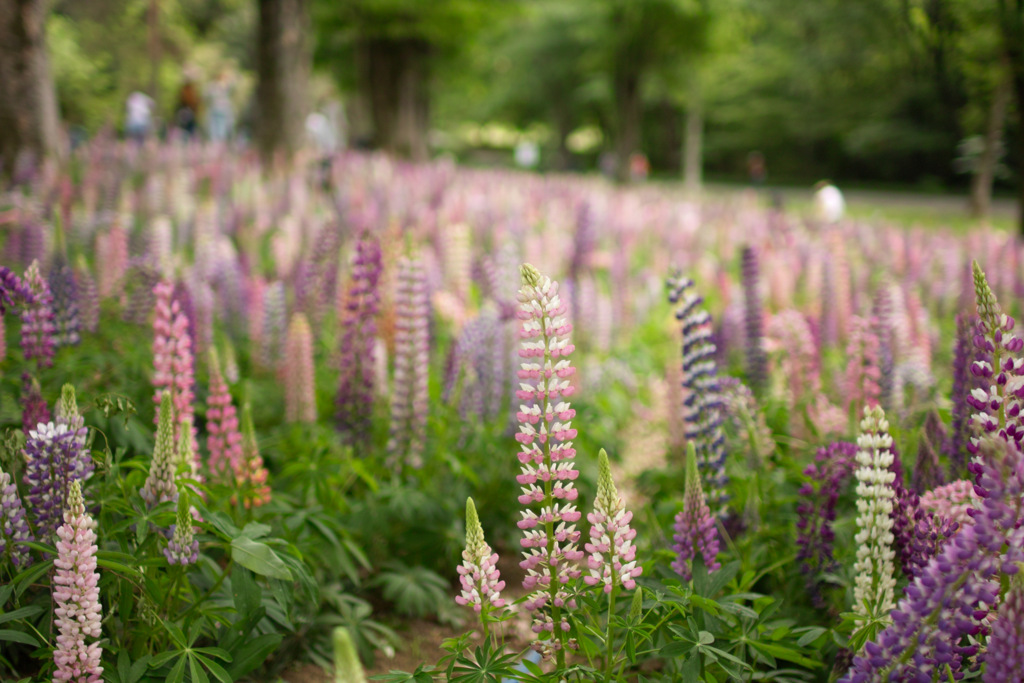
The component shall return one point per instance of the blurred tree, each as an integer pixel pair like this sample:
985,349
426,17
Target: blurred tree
28,101
283,63
1011,19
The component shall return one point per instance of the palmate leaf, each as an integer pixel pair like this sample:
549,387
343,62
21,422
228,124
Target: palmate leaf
415,591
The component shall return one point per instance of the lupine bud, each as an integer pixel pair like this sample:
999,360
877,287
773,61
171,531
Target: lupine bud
410,397
612,553
299,390
478,573
873,590
163,469
77,595
182,548
67,414
13,526
550,537
347,668
695,531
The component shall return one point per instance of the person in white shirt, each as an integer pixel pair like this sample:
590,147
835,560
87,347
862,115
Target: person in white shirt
138,116
829,204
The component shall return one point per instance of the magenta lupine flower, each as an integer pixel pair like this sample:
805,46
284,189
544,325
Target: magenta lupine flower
612,558
357,358
1004,656
299,389
409,397
172,360
112,252
952,501
695,531
34,408
37,320
478,573
224,441
545,435
862,372
13,526
77,595
13,290
52,462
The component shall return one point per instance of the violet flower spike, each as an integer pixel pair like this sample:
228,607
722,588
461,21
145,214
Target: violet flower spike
612,558
37,320
963,382
410,398
77,596
695,531
1004,656
13,526
357,357
52,464
182,548
478,573
545,435
757,360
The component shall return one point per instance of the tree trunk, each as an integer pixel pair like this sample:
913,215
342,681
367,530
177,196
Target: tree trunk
28,101
563,127
283,62
153,21
628,112
694,157
1018,80
981,183
394,75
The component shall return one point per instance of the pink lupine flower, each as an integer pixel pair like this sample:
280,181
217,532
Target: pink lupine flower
299,390
77,595
862,366
478,573
112,252
546,456
37,320
612,553
952,501
172,360
224,441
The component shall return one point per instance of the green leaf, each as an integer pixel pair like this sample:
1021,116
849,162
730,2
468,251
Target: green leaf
216,669
177,674
245,591
23,613
784,653
28,577
198,675
138,669
18,637
811,634
255,530
214,652
259,558
253,653
718,579
691,669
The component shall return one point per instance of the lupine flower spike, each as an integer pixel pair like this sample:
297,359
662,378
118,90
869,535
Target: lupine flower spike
255,474
37,320
13,526
478,573
409,398
299,391
67,414
695,531
612,558
1004,660
52,463
182,548
160,486
77,595
224,441
873,590
550,536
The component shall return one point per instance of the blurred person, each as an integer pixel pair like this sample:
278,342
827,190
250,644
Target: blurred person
639,167
187,113
323,136
138,118
220,113
756,168
829,204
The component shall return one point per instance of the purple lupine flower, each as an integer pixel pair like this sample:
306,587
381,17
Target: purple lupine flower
37,326
316,277
695,531
612,559
357,360
112,252
550,536
703,403
757,361
950,597
478,574
963,383
275,313
89,298
931,441
13,290
182,547
299,387
409,397
52,462
141,277
160,482
77,595
34,408
64,287
1004,656
13,526
882,322
917,533
832,467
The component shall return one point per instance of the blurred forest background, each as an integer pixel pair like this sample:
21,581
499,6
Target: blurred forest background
914,93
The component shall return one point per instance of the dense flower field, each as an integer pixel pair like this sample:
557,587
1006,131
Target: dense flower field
257,417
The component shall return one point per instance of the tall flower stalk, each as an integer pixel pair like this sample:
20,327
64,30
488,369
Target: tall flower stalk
409,397
757,360
37,320
358,340
546,453
173,361
255,491
299,388
77,595
703,405
695,531
875,580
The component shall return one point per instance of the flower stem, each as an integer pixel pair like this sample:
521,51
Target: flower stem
609,635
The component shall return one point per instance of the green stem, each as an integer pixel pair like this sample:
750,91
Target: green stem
549,503
609,635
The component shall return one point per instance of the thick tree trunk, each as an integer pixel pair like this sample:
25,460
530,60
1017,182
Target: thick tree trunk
628,112
283,64
28,101
563,127
693,160
981,183
1018,80
394,75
